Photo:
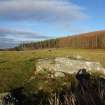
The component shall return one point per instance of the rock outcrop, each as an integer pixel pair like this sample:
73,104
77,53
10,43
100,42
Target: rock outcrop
67,65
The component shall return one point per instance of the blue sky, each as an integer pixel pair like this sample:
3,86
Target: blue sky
33,20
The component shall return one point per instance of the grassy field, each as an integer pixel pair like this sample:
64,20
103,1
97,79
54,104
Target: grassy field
17,67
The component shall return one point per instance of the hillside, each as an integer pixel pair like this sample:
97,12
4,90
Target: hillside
91,40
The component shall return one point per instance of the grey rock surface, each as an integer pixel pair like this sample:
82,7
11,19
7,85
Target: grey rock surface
67,65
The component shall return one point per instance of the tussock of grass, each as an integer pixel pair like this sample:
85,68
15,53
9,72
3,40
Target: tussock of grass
65,91
74,93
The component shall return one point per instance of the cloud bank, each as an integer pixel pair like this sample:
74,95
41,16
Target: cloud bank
10,38
58,11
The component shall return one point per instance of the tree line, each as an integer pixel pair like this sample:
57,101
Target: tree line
52,43
86,40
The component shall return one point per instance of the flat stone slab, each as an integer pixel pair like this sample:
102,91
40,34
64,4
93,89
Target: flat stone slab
67,65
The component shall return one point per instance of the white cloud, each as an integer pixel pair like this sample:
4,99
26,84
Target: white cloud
53,11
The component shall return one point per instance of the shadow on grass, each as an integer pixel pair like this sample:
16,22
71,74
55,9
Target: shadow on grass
85,91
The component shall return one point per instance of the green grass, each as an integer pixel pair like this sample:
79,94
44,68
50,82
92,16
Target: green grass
17,67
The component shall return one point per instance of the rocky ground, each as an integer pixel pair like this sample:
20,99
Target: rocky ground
68,65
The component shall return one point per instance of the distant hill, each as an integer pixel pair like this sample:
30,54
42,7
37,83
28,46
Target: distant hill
91,40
